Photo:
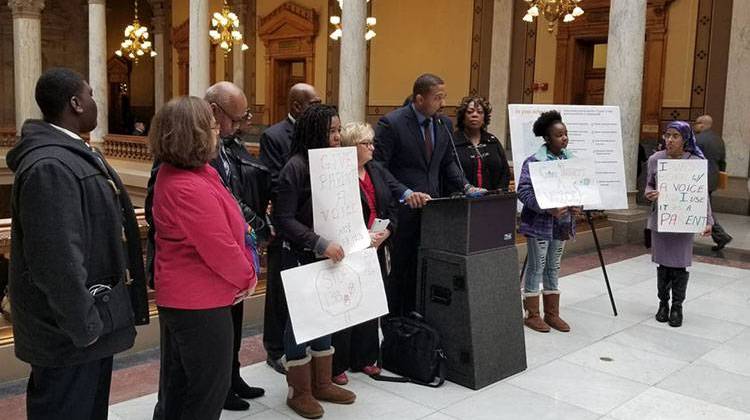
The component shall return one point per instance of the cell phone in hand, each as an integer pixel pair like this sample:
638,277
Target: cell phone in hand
379,225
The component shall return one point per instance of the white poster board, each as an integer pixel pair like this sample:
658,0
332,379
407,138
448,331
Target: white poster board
325,297
563,183
337,209
683,195
594,135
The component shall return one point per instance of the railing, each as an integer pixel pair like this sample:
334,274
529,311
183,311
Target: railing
7,136
118,146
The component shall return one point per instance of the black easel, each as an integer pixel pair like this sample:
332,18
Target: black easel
601,260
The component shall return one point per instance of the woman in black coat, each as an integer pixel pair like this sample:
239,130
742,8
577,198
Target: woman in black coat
357,347
481,155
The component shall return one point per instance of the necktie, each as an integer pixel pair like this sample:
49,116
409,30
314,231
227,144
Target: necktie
427,139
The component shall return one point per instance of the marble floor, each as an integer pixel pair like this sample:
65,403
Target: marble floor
736,225
624,367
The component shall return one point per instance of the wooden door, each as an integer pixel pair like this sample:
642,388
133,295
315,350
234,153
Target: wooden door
587,84
287,74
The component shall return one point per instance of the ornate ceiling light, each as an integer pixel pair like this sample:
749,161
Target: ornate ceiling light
136,43
553,11
225,30
336,22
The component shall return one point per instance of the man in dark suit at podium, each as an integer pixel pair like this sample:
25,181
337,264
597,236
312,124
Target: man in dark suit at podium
415,144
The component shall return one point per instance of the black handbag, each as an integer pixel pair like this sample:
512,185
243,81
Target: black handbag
113,304
411,348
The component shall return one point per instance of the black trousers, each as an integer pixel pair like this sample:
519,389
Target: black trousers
401,284
237,315
196,363
79,392
356,347
275,312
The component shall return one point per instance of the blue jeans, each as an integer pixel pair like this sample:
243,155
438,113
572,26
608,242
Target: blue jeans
543,264
294,351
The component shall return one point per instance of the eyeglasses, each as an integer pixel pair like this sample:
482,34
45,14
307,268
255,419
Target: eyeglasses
366,143
247,116
675,136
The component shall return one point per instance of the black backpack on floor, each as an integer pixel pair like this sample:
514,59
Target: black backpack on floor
411,348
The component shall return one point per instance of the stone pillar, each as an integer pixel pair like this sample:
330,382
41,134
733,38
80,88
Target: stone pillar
353,63
502,32
159,25
200,62
27,56
623,80
98,67
238,59
738,92
623,84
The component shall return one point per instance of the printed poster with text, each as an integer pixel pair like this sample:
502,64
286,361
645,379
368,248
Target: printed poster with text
337,209
594,135
683,195
325,297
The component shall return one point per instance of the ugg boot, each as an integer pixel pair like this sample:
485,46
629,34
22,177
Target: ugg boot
679,289
533,320
552,311
663,282
300,398
323,388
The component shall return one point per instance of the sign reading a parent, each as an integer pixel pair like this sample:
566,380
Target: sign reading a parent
683,195
563,183
337,209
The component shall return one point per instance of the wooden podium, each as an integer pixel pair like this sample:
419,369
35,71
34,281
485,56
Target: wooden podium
467,286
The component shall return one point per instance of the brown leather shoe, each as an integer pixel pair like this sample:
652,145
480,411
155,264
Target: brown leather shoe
300,398
533,320
323,388
552,312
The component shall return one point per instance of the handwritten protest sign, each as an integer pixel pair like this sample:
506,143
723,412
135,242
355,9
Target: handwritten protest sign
563,183
337,209
683,195
325,297
594,135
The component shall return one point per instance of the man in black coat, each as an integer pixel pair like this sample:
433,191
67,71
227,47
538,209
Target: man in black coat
275,143
76,283
414,143
249,181
712,146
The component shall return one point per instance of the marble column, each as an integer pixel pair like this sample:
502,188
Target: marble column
623,80
27,56
98,66
199,63
623,84
159,24
502,32
737,96
238,59
353,62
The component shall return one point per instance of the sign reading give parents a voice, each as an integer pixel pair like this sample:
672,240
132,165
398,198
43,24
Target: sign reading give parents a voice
683,195
563,183
337,209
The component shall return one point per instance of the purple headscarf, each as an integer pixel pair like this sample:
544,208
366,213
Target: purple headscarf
687,134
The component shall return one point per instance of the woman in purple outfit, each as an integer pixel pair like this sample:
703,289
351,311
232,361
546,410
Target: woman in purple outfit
672,251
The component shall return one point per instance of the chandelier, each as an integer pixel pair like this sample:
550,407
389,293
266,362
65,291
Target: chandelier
225,30
136,43
553,10
336,22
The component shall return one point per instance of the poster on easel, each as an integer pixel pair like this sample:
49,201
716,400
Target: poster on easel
594,135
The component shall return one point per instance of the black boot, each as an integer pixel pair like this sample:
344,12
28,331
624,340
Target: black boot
720,237
679,289
663,280
243,390
235,403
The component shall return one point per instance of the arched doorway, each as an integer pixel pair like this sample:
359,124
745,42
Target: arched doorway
288,34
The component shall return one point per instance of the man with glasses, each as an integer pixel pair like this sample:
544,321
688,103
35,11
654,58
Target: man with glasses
249,181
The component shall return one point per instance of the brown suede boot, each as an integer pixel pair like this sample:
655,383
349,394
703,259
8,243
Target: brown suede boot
300,398
552,311
533,320
323,388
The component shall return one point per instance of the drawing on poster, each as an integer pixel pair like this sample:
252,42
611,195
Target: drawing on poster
339,290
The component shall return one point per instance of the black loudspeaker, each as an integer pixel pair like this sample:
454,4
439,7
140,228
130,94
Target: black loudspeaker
475,304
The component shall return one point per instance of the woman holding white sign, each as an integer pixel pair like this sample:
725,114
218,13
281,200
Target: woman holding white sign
672,251
308,373
546,230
